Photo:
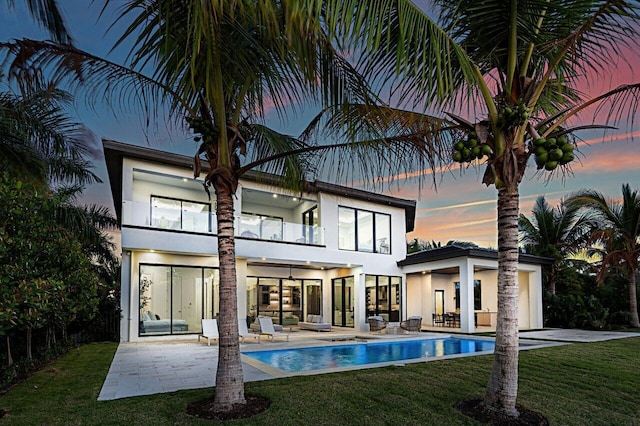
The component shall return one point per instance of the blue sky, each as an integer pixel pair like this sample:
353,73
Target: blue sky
462,208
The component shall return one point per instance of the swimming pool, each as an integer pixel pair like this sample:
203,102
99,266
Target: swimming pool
320,358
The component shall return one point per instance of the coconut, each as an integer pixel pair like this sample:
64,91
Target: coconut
550,165
486,149
567,147
458,146
457,156
540,141
544,157
540,150
556,154
567,158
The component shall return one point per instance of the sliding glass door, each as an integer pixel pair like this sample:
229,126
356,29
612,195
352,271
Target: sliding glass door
343,301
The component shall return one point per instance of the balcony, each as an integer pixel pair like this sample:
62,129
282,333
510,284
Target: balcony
190,217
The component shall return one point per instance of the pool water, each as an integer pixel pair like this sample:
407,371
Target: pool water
319,358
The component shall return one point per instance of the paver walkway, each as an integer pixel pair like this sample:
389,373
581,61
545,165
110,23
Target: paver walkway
575,335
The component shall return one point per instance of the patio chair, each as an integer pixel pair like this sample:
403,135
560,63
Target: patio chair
376,323
243,331
412,324
266,327
209,330
438,319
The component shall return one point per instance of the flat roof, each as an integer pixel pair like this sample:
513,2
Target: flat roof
115,152
454,251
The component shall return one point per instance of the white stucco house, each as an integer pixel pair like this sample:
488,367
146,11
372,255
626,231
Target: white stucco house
331,250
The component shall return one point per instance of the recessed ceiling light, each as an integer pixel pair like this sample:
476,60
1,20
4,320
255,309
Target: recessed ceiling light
308,262
295,199
152,251
275,195
264,258
322,267
348,265
184,179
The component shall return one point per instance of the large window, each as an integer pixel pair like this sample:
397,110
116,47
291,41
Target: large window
173,299
171,213
362,230
383,296
477,295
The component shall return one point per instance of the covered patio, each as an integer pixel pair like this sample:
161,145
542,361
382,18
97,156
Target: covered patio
455,289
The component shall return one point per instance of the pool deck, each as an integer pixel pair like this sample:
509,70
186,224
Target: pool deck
159,367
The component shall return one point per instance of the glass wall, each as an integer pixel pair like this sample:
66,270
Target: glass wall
170,213
362,230
286,301
383,296
173,299
261,227
477,295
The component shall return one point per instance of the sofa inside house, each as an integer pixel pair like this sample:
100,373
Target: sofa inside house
315,323
152,323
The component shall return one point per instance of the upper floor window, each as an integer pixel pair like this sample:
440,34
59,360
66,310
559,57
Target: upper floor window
363,230
183,215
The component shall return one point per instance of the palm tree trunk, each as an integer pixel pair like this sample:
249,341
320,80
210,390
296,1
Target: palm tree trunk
229,379
633,300
502,390
9,357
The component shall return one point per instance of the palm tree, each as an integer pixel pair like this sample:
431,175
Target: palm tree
619,234
215,64
514,67
47,13
38,140
555,232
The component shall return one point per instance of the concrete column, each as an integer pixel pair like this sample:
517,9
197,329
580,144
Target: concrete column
536,317
359,302
126,296
467,313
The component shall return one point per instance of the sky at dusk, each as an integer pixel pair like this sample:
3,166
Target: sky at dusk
462,208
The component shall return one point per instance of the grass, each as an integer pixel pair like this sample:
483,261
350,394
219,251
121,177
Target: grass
578,384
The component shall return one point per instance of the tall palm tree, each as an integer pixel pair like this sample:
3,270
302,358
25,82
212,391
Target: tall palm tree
619,234
215,64
555,232
514,68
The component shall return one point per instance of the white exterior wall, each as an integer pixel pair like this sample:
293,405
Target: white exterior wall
191,249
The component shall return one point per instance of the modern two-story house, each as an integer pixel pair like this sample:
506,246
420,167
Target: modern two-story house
331,250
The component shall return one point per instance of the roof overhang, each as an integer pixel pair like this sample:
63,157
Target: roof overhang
454,251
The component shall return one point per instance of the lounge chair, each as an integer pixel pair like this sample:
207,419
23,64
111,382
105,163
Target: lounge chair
266,327
243,331
412,324
209,330
376,323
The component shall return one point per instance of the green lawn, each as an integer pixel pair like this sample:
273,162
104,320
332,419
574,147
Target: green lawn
578,384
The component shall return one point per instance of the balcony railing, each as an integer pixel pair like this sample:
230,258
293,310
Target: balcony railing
266,228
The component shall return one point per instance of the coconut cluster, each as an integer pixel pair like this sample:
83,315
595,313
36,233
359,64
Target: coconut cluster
513,115
470,149
201,126
554,151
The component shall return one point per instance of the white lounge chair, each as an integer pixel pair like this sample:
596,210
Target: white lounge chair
266,327
243,331
209,330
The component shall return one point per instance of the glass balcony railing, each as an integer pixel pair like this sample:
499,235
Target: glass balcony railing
266,228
